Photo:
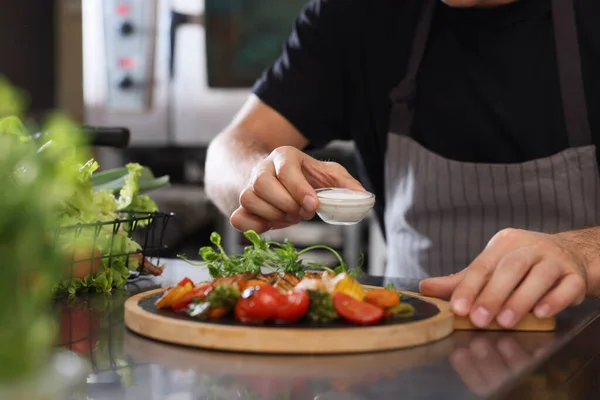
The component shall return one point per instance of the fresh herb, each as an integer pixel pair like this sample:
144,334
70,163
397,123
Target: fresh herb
224,295
275,256
321,307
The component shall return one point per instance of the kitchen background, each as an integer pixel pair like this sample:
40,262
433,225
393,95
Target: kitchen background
174,73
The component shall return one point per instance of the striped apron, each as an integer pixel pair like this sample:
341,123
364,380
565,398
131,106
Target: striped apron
441,213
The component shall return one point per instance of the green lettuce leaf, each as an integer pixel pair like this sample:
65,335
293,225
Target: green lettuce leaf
130,190
105,204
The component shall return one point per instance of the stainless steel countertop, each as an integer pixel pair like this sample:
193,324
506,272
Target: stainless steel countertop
466,365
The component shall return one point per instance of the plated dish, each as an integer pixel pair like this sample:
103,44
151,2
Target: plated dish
284,298
290,292
271,300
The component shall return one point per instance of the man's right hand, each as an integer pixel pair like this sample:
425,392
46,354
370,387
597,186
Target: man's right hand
281,190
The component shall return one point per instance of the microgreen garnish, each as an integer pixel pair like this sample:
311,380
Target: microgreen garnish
275,256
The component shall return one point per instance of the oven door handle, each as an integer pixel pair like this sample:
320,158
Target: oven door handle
99,136
178,19
103,136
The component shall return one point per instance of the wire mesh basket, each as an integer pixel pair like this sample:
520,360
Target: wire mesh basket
135,240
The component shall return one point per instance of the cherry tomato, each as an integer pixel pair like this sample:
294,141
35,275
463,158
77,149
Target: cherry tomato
356,311
295,307
199,292
184,281
259,304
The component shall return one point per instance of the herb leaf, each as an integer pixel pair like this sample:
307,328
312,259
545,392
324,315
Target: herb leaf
215,239
321,307
277,257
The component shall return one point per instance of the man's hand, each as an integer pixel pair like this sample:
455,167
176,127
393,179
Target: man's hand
519,271
281,191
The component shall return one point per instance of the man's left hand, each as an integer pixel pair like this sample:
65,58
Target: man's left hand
518,271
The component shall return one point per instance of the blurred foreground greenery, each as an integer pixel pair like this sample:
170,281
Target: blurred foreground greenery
35,183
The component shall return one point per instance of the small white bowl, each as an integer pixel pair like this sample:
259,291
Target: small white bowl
339,206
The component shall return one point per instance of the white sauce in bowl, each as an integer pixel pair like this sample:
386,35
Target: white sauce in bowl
340,206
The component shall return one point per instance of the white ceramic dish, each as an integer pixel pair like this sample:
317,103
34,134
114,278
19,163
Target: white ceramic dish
338,206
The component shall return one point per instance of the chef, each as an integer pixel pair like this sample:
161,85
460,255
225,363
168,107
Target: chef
475,123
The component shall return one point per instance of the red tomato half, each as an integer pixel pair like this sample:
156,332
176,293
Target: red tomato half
355,311
199,292
295,307
184,281
259,304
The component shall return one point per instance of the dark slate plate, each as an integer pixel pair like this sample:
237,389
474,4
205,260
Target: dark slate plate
423,310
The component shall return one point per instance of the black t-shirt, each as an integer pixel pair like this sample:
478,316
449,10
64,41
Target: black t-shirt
488,87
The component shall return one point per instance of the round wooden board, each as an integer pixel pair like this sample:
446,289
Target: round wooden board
144,319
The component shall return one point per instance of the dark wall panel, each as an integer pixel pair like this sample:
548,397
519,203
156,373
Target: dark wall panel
27,49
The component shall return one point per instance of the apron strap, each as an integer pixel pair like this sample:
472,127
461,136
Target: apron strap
403,95
571,78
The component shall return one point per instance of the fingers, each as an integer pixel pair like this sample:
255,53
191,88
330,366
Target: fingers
541,278
253,204
518,271
509,272
570,291
288,171
441,287
329,174
265,184
342,177
243,221
479,273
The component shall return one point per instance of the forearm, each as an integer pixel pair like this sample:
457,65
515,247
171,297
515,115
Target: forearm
229,163
586,244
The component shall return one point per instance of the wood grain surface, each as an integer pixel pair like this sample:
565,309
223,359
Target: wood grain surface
281,340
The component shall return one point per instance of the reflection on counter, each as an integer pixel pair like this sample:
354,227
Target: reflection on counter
466,365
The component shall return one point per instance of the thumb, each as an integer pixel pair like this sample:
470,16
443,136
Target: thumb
329,174
343,178
441,287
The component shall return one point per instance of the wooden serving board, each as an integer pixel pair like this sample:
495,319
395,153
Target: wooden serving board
528,323
432,321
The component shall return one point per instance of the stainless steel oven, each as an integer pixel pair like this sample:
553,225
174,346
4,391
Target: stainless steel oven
175,72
